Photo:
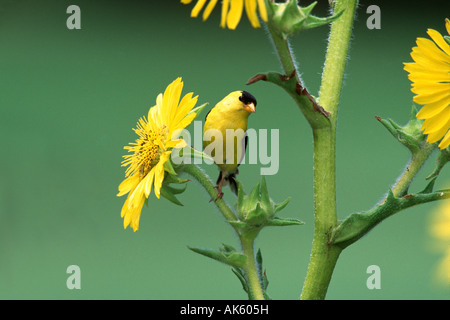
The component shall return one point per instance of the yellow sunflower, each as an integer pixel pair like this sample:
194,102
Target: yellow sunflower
232,11
440,230
430,76
152,149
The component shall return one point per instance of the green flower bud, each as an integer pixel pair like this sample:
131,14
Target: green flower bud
288,18
257,209
410,135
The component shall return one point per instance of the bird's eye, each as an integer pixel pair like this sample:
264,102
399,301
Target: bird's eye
247,98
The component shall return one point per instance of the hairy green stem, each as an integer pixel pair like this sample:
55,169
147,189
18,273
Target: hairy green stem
336,57
251,269
292,83
284,52
417,161
323,255
247,239
202,177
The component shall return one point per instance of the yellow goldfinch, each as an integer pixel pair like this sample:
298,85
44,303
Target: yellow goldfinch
228,117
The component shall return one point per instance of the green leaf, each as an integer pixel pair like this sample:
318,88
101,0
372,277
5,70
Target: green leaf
357,225
170,196
199,109
410,135
307,10
240,274
195,154
232,258
265,199
289,18
315,22
282,222
443,158
262,274
240,201
253,197
282,205
429,187
239,224
169,168
174,179
175,190
227,248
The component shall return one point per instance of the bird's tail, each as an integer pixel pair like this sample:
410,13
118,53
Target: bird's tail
230,179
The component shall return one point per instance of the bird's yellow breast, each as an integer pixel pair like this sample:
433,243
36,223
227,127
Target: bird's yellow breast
224,136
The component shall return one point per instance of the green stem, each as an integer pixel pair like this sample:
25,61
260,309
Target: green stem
294,85
359,224
417,161
284,52
247,239
323,255
198,174
251,269
336,58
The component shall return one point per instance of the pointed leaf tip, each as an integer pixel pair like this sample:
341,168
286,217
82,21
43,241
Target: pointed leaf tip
170,196
282,222
232,258
429,187
282,205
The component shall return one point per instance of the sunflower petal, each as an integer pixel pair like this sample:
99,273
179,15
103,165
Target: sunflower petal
438,121
198,6
262,10
250,9
438,134
234,16
159,173
429,48
135,216
128,184
209,8
430,96
432,109
179,143
149,182
223,19
439,40
445,142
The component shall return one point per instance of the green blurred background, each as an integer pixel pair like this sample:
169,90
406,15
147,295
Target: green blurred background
68,102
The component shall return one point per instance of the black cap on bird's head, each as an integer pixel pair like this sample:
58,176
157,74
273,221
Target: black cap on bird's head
249,100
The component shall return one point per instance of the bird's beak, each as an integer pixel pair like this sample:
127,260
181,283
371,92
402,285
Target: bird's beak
250,107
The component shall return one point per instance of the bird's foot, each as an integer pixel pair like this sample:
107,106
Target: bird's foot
219,193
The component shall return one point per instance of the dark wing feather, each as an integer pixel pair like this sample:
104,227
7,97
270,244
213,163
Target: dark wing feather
245,146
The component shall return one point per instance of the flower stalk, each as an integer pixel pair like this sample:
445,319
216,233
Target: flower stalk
246,238
250,268
416,162
323,255
322,116
202,177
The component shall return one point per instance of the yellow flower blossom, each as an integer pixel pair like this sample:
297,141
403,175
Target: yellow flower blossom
153,148
232,11
430,76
